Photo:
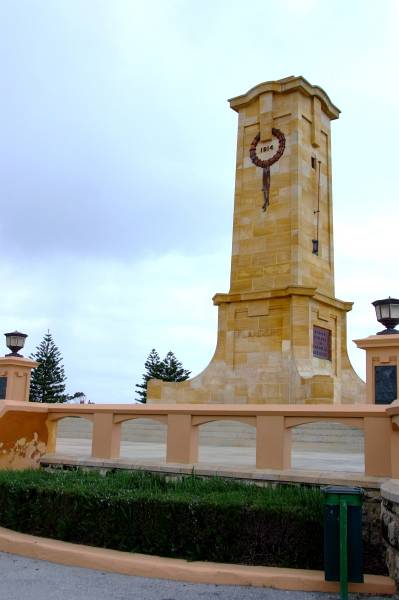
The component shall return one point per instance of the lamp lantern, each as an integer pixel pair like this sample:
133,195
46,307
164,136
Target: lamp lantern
15,341
387,313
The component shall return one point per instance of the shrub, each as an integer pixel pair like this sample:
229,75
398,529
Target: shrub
196,519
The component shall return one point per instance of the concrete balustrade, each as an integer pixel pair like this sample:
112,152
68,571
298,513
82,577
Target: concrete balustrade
273,425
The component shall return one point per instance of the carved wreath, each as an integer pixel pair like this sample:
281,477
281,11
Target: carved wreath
264,164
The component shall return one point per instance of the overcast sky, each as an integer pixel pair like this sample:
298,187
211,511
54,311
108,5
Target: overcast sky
117,158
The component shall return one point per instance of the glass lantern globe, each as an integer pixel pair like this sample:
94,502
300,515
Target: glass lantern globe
15,341
387,313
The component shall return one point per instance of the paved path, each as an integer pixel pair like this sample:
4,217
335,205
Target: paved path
27,579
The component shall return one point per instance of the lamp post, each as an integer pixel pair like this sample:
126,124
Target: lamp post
387,313
15,341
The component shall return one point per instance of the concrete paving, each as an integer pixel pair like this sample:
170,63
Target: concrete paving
25,578
224,456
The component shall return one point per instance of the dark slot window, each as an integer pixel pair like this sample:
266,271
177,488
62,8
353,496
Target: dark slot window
385,384
3,387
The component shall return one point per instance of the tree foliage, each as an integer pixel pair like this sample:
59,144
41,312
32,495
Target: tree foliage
172,369
48,379
168,369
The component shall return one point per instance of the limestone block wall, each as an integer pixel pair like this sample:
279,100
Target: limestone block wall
272,249
264,354
390,525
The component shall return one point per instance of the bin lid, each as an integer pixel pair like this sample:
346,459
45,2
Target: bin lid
343,489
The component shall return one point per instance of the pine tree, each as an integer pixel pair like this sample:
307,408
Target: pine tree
153,366
172,369
168,369
48,379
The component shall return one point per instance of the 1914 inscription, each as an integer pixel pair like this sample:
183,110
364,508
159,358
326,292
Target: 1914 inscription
266,148
321,342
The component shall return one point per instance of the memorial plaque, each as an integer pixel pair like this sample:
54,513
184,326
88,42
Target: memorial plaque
321,342
3,387
385,384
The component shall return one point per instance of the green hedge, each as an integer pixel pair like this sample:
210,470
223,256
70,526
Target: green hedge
196,519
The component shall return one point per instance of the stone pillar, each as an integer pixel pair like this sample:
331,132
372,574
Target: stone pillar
377,447
273,443
382,367
393,412
390,525
181,440
106,440
15,375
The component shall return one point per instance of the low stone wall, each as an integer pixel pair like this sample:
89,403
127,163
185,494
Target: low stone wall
390,525
326,437
374,548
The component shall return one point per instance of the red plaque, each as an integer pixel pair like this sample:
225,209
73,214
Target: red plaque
321,342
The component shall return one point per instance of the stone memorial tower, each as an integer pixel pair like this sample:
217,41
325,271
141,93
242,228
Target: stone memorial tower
281,331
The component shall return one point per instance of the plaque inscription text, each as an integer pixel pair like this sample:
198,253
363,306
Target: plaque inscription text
321,342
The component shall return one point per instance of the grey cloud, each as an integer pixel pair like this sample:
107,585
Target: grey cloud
65,211
102,152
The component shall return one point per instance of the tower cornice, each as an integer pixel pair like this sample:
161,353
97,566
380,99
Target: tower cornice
286,86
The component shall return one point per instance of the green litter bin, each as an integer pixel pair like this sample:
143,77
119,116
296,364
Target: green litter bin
343,542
